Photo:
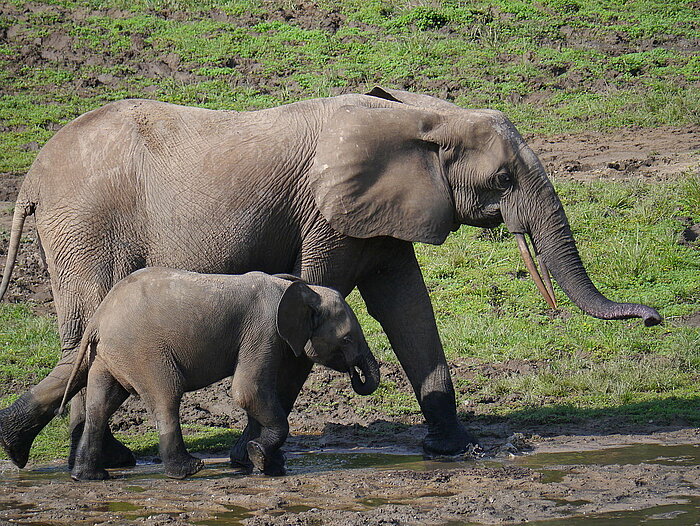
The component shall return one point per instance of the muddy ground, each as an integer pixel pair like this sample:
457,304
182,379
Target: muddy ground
332,482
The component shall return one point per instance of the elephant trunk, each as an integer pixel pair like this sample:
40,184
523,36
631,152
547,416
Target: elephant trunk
364,366
556,249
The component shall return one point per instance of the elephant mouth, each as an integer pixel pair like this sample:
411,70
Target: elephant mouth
361,382
490,219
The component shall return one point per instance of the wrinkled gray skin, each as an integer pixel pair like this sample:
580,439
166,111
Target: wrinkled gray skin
334,190
162,332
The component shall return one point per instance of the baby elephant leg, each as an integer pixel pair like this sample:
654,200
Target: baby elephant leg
254,390
178,463
265,453
239,450
104,396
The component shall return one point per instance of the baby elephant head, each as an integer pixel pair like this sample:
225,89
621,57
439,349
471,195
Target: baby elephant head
317,322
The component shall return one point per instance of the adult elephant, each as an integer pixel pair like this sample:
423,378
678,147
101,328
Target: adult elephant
334,190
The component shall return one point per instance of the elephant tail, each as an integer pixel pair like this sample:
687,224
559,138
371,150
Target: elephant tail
89,340
22,210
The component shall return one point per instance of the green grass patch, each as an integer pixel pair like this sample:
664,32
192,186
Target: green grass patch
600,64
197,439
29,348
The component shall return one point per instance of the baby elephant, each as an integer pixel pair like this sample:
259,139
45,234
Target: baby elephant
162,332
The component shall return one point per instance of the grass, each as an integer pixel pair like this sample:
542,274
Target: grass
488,314
584,64
554,66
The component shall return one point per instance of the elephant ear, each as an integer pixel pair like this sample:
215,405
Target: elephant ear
417,100
295,315
376,172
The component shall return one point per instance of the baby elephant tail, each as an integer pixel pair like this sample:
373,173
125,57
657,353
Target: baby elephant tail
90,338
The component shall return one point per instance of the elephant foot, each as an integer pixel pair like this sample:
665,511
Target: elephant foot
18,430
447,442
80,473
181,469
114,453
240,461
18,453
272,465
242,467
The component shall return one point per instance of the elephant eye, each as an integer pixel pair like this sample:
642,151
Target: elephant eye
504,179
347,340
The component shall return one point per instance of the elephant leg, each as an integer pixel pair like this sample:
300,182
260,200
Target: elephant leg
104,396
69,306
114,453
164,405
22,421
289,384
397,297
264,451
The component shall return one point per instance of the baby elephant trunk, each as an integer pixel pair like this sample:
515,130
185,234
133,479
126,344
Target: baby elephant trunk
364,374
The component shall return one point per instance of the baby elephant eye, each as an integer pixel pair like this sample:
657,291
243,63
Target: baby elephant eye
347,340
504,179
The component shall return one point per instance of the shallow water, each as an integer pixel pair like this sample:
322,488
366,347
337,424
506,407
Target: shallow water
667,455
552,466
682,514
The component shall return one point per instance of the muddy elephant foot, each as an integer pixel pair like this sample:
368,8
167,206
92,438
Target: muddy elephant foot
240,461
17,451
19,428
114,453
80,473
183,467
447,441
242,467
272,465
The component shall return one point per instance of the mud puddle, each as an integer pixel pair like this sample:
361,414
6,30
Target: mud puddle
625,484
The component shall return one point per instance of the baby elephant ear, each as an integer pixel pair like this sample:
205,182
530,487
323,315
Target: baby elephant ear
295,313
378,172
288,277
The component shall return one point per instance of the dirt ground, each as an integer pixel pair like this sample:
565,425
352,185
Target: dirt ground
331,481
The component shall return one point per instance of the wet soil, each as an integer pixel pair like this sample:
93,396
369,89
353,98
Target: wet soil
565,480
330,482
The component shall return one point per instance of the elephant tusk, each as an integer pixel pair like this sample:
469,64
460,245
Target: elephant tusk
546,277
532,269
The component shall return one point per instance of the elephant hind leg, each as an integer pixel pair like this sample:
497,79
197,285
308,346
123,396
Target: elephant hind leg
104,396
164,405
75,303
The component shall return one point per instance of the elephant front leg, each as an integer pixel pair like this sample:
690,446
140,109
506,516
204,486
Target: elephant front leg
254,390
398,299
265,453
289,384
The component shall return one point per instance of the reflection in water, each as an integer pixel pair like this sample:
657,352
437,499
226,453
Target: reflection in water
673,455
686,514
233,516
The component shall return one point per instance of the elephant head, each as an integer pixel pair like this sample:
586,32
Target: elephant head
317,322
416,168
